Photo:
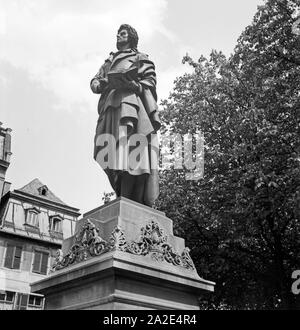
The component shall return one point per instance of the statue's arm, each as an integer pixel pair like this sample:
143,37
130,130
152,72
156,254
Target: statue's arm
147,76
147,70
99,83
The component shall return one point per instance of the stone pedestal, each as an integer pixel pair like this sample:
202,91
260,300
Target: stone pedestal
124,256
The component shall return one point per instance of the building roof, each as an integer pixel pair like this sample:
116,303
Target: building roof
34,188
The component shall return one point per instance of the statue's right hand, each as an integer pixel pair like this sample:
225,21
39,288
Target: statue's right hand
95,86
99,85
103,81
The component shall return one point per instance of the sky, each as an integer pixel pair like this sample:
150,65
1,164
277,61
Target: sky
51,49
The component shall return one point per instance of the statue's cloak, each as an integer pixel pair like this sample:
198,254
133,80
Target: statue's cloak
123,113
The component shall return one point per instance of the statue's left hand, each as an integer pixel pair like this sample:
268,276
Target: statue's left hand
130,84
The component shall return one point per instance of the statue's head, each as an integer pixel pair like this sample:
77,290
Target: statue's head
127,35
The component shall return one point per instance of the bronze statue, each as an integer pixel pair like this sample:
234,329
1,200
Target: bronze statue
128,116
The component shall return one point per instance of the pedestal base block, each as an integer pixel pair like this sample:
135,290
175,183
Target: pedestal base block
123,256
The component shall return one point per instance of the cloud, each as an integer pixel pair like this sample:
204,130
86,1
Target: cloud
61,44
167,75
167,78
3,23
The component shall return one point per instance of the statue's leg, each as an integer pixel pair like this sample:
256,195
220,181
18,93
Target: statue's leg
139,188
115,179
127,185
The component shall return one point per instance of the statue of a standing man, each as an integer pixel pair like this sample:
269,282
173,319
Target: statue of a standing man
127,108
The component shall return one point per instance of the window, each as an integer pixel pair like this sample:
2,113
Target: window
32,217
40,262
13,256
25,301
43,191
55,224
22,301
7,296
35,301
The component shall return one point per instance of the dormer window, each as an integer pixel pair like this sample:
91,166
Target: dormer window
55,223
43,190
32,217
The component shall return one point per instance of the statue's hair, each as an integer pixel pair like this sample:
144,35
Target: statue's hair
132,35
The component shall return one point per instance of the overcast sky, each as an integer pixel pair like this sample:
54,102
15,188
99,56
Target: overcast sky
50,50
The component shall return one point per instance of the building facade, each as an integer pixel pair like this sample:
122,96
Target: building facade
33,224
5,154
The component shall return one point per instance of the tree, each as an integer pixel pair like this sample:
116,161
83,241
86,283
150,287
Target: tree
242,219
108,197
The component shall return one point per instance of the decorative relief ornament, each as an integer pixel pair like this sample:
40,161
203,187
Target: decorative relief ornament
152,242
87,244
118,240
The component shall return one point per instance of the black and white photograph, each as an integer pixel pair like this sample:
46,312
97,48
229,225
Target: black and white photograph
149,158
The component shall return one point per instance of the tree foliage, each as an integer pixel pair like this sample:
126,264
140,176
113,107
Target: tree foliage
108,197
242,219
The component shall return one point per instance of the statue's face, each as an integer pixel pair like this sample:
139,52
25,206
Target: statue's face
122,38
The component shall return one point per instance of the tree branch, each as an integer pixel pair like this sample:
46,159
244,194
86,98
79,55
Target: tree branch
286,58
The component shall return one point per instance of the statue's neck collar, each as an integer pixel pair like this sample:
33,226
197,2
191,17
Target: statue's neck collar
129,50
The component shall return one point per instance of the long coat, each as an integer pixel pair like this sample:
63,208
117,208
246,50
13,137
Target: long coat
121,109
